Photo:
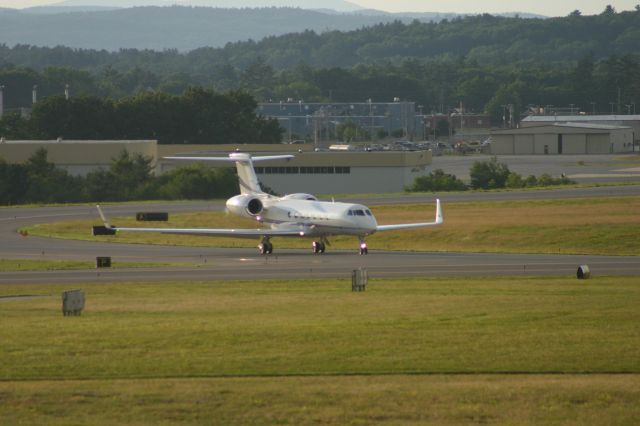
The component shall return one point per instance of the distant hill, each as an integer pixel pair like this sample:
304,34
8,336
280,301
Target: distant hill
174,27
482,39
48,10
339,5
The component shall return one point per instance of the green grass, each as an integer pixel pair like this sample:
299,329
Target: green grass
352,400
441,351
56,265
536,325
608,226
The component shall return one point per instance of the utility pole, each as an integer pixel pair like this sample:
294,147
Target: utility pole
369,101
1,100
619,95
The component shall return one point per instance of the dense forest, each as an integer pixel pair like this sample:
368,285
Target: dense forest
608,85
591,63
485,39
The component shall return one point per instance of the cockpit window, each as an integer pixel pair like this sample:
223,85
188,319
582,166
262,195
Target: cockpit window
368,212
350,213
359,212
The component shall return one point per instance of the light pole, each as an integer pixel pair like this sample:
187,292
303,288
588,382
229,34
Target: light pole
1,100
370,101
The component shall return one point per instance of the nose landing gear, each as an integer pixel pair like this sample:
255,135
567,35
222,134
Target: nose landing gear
363,247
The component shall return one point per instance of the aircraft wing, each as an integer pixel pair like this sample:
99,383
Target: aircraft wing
438,221
220,232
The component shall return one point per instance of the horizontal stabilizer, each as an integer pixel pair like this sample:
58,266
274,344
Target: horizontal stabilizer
241,157
247,178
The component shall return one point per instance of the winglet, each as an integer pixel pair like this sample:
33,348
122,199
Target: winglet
103,217
439,216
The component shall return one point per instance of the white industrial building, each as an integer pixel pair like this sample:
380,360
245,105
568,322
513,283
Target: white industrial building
344,172
629,120
563,138
78,157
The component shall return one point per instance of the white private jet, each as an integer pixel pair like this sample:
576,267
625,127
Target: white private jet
294,215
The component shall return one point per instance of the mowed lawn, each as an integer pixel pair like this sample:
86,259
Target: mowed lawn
444,351
576,226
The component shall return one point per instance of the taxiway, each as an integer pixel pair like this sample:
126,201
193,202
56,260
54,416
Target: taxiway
216,263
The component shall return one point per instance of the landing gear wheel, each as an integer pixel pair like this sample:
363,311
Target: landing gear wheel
318,247
265,247
363,249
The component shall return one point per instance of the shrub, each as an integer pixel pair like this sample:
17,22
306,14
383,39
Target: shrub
437,180
489,174
515,181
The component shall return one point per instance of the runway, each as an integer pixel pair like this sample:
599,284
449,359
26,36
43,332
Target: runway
217,263
245,264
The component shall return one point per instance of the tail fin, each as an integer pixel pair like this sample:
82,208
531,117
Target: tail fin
247,178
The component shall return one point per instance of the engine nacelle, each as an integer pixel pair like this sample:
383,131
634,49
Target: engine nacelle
245,205
300,196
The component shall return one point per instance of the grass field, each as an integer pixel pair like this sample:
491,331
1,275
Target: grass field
441,351
56,265
575,226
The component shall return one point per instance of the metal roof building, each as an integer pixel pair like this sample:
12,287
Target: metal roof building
78,157
632,121
563,138
325,172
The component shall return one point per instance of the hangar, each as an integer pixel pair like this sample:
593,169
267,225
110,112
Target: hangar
631,120
310,171
563,138
78,157
325,172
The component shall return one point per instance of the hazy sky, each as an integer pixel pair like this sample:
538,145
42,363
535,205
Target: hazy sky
543,7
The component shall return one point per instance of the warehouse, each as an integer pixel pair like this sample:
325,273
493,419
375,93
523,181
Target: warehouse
78,157
327,172
630,120
563,138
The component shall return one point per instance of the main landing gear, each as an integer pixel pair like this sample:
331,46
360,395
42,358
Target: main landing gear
265,246
318,247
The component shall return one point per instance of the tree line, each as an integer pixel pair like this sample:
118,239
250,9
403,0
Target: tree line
129,177
484,38
198,116
485,62
607,85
